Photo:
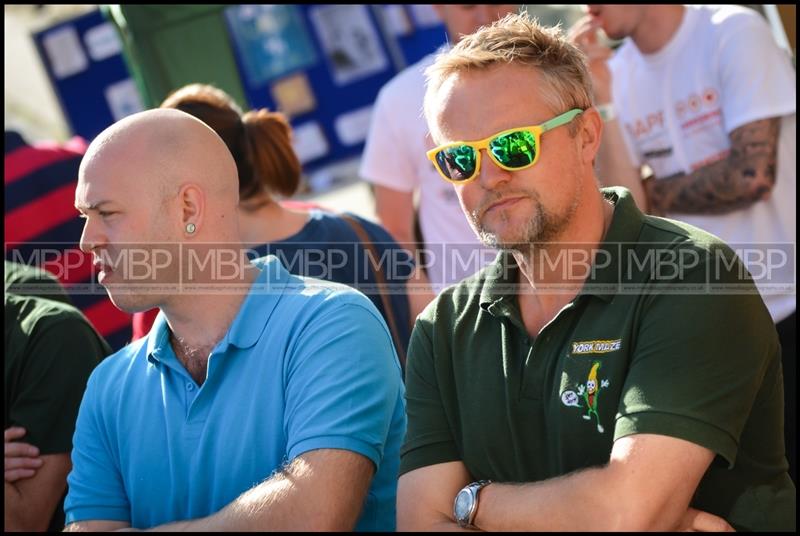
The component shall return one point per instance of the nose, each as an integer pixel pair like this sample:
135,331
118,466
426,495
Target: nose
91,236
491,175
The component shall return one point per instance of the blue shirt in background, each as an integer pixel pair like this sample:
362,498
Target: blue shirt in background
328,248
305,365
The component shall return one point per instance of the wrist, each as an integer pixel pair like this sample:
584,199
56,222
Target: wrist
465,506
480,508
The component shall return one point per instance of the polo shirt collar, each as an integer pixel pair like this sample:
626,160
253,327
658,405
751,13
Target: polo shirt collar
500,277
250,321
623,233
499,285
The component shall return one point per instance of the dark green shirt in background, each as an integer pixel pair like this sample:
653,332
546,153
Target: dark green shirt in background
644,348
50,351
33,281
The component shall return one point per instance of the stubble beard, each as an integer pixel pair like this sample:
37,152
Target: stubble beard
542,227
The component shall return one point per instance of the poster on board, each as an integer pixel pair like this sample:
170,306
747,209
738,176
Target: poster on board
350,42
271,40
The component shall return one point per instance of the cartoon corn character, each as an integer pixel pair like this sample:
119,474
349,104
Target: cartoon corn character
590,396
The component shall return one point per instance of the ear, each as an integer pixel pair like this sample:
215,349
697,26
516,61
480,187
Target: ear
192,204
589,135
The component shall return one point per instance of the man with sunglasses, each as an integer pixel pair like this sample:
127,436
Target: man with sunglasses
610,370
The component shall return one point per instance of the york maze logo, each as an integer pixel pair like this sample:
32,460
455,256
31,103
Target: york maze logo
596,347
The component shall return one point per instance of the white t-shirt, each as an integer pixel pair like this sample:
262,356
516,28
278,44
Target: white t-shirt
394,156
721,70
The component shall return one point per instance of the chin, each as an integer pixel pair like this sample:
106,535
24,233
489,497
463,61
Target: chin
129,300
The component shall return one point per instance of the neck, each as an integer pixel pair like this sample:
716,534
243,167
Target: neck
269,223
565,261
658,26
198,322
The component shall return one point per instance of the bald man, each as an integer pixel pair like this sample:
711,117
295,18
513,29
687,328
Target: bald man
259,400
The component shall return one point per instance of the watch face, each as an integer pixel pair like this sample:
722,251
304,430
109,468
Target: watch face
463,504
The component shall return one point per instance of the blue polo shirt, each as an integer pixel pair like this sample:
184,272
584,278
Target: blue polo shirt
305,365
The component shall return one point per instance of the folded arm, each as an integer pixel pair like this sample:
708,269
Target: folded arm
647,485
30,503
321,490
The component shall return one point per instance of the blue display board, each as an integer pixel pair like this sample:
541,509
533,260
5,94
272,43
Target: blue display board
322,64
329,93
83,60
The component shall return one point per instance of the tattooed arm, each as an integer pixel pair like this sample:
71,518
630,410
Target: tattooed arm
745,176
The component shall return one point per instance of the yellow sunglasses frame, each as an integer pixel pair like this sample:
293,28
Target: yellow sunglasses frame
537,131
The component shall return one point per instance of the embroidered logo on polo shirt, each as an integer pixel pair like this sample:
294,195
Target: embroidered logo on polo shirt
596,347
587,396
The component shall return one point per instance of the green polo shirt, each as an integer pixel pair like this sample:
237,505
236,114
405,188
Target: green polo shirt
50,351
667,336
27,280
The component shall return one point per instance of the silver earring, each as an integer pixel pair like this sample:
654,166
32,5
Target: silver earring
190,228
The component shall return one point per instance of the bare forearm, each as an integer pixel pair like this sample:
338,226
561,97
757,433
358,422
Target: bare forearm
614,166
420,293
745,176
321,490
18,516
395,210
584,501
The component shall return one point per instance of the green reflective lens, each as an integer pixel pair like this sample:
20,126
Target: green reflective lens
515,149
457,163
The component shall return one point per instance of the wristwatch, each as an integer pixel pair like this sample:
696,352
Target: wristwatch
466,504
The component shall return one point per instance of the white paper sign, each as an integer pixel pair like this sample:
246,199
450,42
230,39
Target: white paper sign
350,41
102,42
123,99
352,127
64,51
309,142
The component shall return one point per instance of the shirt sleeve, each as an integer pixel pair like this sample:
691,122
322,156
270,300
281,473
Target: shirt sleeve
699,361
63,352
343,382
95,484
429,439
756,75
387,159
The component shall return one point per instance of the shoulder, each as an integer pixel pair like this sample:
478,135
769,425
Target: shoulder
114,371
730,17
336,227
375,231
693,256
728,23
34,313
461,300
306,298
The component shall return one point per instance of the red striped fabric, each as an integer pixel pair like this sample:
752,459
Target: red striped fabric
32,219
26,160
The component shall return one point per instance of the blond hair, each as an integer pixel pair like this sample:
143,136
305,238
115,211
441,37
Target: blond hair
518,39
